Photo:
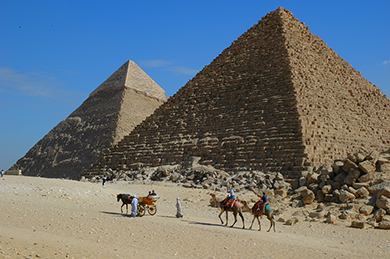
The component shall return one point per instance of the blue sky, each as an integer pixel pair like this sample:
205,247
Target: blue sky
53,54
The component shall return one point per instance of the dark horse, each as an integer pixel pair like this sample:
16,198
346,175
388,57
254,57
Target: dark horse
126,199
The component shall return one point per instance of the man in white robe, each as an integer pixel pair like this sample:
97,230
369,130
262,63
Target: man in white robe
134,205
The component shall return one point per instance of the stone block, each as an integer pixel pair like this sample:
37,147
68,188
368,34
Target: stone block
367,166
384,192
357,224
366,209
383,203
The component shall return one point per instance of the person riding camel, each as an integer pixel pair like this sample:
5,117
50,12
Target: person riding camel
264,201
231,197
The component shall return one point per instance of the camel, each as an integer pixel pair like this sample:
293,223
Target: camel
126,199
236,209
267,211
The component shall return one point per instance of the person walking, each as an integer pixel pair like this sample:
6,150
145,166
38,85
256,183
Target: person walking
2,172
134,205
104,181
178,206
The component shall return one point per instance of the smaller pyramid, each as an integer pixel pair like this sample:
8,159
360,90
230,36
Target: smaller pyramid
112,111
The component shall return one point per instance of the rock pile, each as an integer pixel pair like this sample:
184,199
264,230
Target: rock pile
359,186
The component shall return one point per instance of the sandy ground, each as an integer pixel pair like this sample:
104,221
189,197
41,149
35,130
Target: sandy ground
56,218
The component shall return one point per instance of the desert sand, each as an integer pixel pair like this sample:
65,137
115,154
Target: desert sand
57,218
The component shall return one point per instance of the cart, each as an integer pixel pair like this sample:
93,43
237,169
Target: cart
148,203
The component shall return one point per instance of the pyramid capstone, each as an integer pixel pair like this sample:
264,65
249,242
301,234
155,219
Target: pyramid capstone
277,100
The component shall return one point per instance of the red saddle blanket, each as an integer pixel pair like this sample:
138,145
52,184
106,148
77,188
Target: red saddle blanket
258,207
228,202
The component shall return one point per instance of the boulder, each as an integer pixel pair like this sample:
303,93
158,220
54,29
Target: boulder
331,219
384,192
313,178
352,176
326,189
346,196
337,166
357,224
384,225
375,188
366,178
366,209
292,221
379,214
384,167
348,165
367,166
308,197
383,203
373,156
362,192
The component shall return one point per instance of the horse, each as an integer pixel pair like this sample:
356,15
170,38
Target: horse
258,212
126,199
236,209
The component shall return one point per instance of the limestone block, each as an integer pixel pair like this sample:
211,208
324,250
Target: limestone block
378,214
357,224
331,219
337,166
348,165
384,225
292,221
385,192
366,209
363,192
360,156
352,176
373,156
360,185
366,177
375,188
383,203
384,167
346,196
313,178
308,197
326,189
367,166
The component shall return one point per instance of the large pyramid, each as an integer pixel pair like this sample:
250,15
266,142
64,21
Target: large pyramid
278,99
120,103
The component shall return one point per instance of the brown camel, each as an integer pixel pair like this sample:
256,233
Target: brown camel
267,211
236,209
126,199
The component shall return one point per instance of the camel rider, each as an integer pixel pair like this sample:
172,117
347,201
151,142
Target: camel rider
264,201
231,196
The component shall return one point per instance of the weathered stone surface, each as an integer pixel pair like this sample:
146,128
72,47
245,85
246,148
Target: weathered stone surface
375,188
357,224
346,196
366,209
331,219
378,214
383,203
308,197
384,225
326,189
367,166
313,178
352,176
385,192
292,221
348,165
363,192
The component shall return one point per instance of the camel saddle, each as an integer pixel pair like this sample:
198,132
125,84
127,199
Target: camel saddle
228,202
259,207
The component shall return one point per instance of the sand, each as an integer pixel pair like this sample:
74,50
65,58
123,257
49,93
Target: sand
57,218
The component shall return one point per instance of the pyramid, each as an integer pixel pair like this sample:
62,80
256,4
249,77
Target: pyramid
277,100
124,100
